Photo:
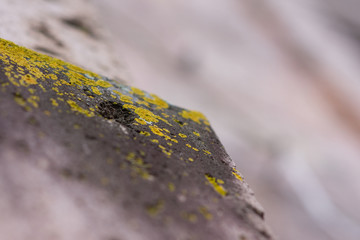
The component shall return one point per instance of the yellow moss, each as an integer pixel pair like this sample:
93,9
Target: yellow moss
77,108
182,135
171,187
191,217
33,100
145,133
205,212
143,103
154,209
188,145
126,99
96,90
20,100
164,150
165,115
27,80
141,121
195,149
195,116
104,84
207,152
216,184
137,91
154,140
191,159
174,140
196,133
156,101
237,174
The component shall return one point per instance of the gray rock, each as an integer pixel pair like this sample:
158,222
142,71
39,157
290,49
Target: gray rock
83,157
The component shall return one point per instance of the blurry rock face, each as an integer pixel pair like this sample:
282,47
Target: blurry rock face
67,29
83,157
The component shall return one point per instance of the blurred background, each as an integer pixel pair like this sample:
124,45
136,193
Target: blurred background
279,82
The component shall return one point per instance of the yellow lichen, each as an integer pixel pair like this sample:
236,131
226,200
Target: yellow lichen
156,101
182,135
137,91
96,90
77,108
195,116
236,173
205,212
154,209
171,187
207,152
196,134
216,184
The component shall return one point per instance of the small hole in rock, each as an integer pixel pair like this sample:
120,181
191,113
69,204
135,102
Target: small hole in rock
114,110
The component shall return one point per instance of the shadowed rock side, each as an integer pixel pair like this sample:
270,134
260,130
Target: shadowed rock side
82,157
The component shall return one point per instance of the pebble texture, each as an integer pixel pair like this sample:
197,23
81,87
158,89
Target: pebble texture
83,157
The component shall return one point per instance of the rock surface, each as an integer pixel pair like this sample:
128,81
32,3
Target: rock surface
85,157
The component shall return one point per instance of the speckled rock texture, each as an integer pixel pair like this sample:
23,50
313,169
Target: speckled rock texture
83,157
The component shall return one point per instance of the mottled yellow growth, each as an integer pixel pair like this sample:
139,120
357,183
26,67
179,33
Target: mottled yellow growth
188,145
191,217
158,131
154,140
207,152
141,121
137,91
195,116
20,100
236,173
195,149
156,101
27,80
155,209
145,133
77,108
205,212
33,100
102,83
96,90
182,135
138,167
164,150
196,134
191,159
126,99
216,184
47,113
171,187
165,115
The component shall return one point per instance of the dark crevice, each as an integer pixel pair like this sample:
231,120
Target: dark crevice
116,111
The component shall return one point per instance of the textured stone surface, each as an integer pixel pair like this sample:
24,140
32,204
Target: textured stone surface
82,157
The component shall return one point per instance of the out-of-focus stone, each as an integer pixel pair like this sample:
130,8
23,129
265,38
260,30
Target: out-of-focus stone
83,157
66,29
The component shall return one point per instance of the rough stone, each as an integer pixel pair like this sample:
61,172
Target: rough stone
83,157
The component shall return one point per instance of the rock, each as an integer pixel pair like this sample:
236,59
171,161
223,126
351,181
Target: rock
83,157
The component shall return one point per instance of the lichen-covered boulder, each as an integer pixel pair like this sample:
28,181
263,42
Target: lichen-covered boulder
82,157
